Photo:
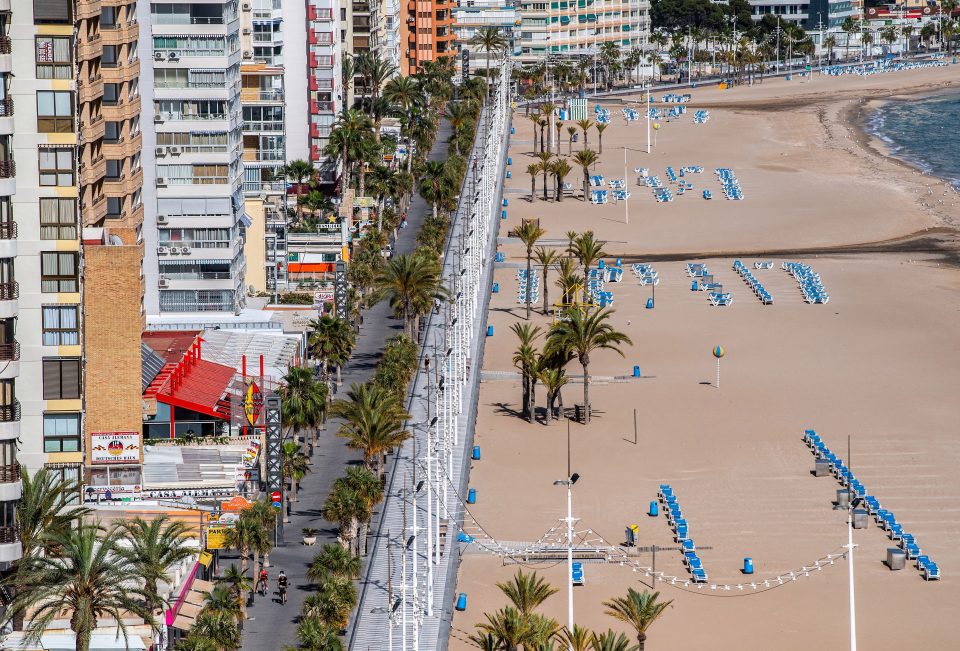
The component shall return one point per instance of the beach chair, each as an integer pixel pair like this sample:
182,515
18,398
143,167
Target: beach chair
928,569
700,575
895,531
688,545
912,550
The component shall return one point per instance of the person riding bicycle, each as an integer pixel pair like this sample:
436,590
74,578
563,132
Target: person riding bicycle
262,582
282,587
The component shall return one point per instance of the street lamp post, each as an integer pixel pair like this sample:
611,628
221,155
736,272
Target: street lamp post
571,479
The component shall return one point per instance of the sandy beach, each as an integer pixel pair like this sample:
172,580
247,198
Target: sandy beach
879,363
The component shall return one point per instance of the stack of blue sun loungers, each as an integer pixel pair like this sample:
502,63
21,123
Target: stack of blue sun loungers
676,98
697,269
763,264
731,186
613,274
810,284
654,113
878,67
653,182
676,111
671,175
884,518
595,283
631,114
522,287
758,289
598,197
701,116
646,274
663,194
618,184
678,523
719,299
597,181
621,195
602,114
691,169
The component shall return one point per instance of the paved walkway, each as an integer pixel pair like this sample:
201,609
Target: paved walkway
273,626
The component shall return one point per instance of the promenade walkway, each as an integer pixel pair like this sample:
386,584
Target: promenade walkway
272,626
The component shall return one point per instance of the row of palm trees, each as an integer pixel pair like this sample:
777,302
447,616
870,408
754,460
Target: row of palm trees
520,625
577,333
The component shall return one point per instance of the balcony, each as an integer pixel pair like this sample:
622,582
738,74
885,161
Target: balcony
120,33
321,84
121,73
318,108
89,48
6,116
95,171
321,38
5,45
320,61
10,548
8,239
8,169
318,14
10,413
10,473
10,352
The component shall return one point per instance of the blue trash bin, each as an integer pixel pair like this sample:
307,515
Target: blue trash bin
748,565
619,262
600,265
636,371
464,538
503,214
476,453
472,496
462,601
693,286
496,288
513,130
509,160
489,331
649,303
506,202
509,175
654,511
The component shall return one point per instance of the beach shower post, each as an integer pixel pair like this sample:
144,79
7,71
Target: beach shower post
718,352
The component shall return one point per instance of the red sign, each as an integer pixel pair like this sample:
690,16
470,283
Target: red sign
275,496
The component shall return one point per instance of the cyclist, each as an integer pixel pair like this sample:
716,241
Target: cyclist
282,587
262,582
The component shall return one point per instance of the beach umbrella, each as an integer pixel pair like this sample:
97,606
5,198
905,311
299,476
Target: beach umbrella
718,352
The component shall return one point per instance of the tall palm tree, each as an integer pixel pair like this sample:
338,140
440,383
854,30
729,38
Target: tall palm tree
570,133
525,360
526,591
578,638
581,333
545,167
588,250
489,40
86,578
611,641
299,171
331,605
303,401
336,561
436,184
458,115
548,109
546,258
533,169
410,281
226,598
295,466
46,508
585,158
153,548
314,635
373,419
246,535
404,93
529,232
569,282
560,168
585,128
344,507
600,129
554,379
639,610
510,627
215,631
369,489
332,340
535,119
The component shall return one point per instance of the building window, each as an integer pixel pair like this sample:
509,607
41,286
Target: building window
114,169
54,111
111,94
61,325
53,57
56,167
111,53
61,432
58,272
69,474
115,207
112,132
8,452
52,12
61,378
58,219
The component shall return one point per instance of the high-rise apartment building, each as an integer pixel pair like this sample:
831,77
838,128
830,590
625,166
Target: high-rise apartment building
427,33
581,27
470,18
321,91
193,226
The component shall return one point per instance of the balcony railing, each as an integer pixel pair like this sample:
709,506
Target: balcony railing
10,413
6,107
9,535
8,169
10,473
9,291
10,352
5,45
8,230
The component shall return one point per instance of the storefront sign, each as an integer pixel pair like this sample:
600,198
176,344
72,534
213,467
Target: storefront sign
216,537
253,403
115,447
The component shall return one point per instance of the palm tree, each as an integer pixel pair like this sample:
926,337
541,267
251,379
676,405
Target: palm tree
373,419
86,578
546,258
334,560
533,169
299,171
554,379
830,43
511,628
548,109
46,509
560,168
304,402
611,641
216,631
545,167
639,610
866,40
226,598
333,602
404,93
295,466
529,232
246,535
578,639
600,129
581,333
344,507
526,592
314,635
458,115
569,281
370,491
436,184
332,340
570,132
585,127
153,548
525,359
535,119
262,511
588,250
410,282
585,158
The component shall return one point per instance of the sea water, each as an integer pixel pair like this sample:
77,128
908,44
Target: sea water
923,132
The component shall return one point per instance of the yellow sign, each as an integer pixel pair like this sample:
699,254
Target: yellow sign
253,403
205,558
216,537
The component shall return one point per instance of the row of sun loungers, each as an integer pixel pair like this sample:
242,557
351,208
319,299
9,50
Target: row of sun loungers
671,507
597,181
878,67
598,197
763,264
522,287
691,169
671,175
676,111
653,182
810,284
884,518
718,299
595,283
618,184
663,195
701,116
631,115
758,289
731,186
676,98
602,115
697,269
646,274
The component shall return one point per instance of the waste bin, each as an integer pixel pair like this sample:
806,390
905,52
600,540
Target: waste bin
896,558
860,519
472,496
489,331
748,565
476,453
462,601
821,468
496,288
649,303
654,510
636,371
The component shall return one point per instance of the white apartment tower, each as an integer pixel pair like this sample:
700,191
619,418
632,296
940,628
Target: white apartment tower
192,149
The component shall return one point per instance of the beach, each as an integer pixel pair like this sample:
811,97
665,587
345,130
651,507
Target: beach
877,364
